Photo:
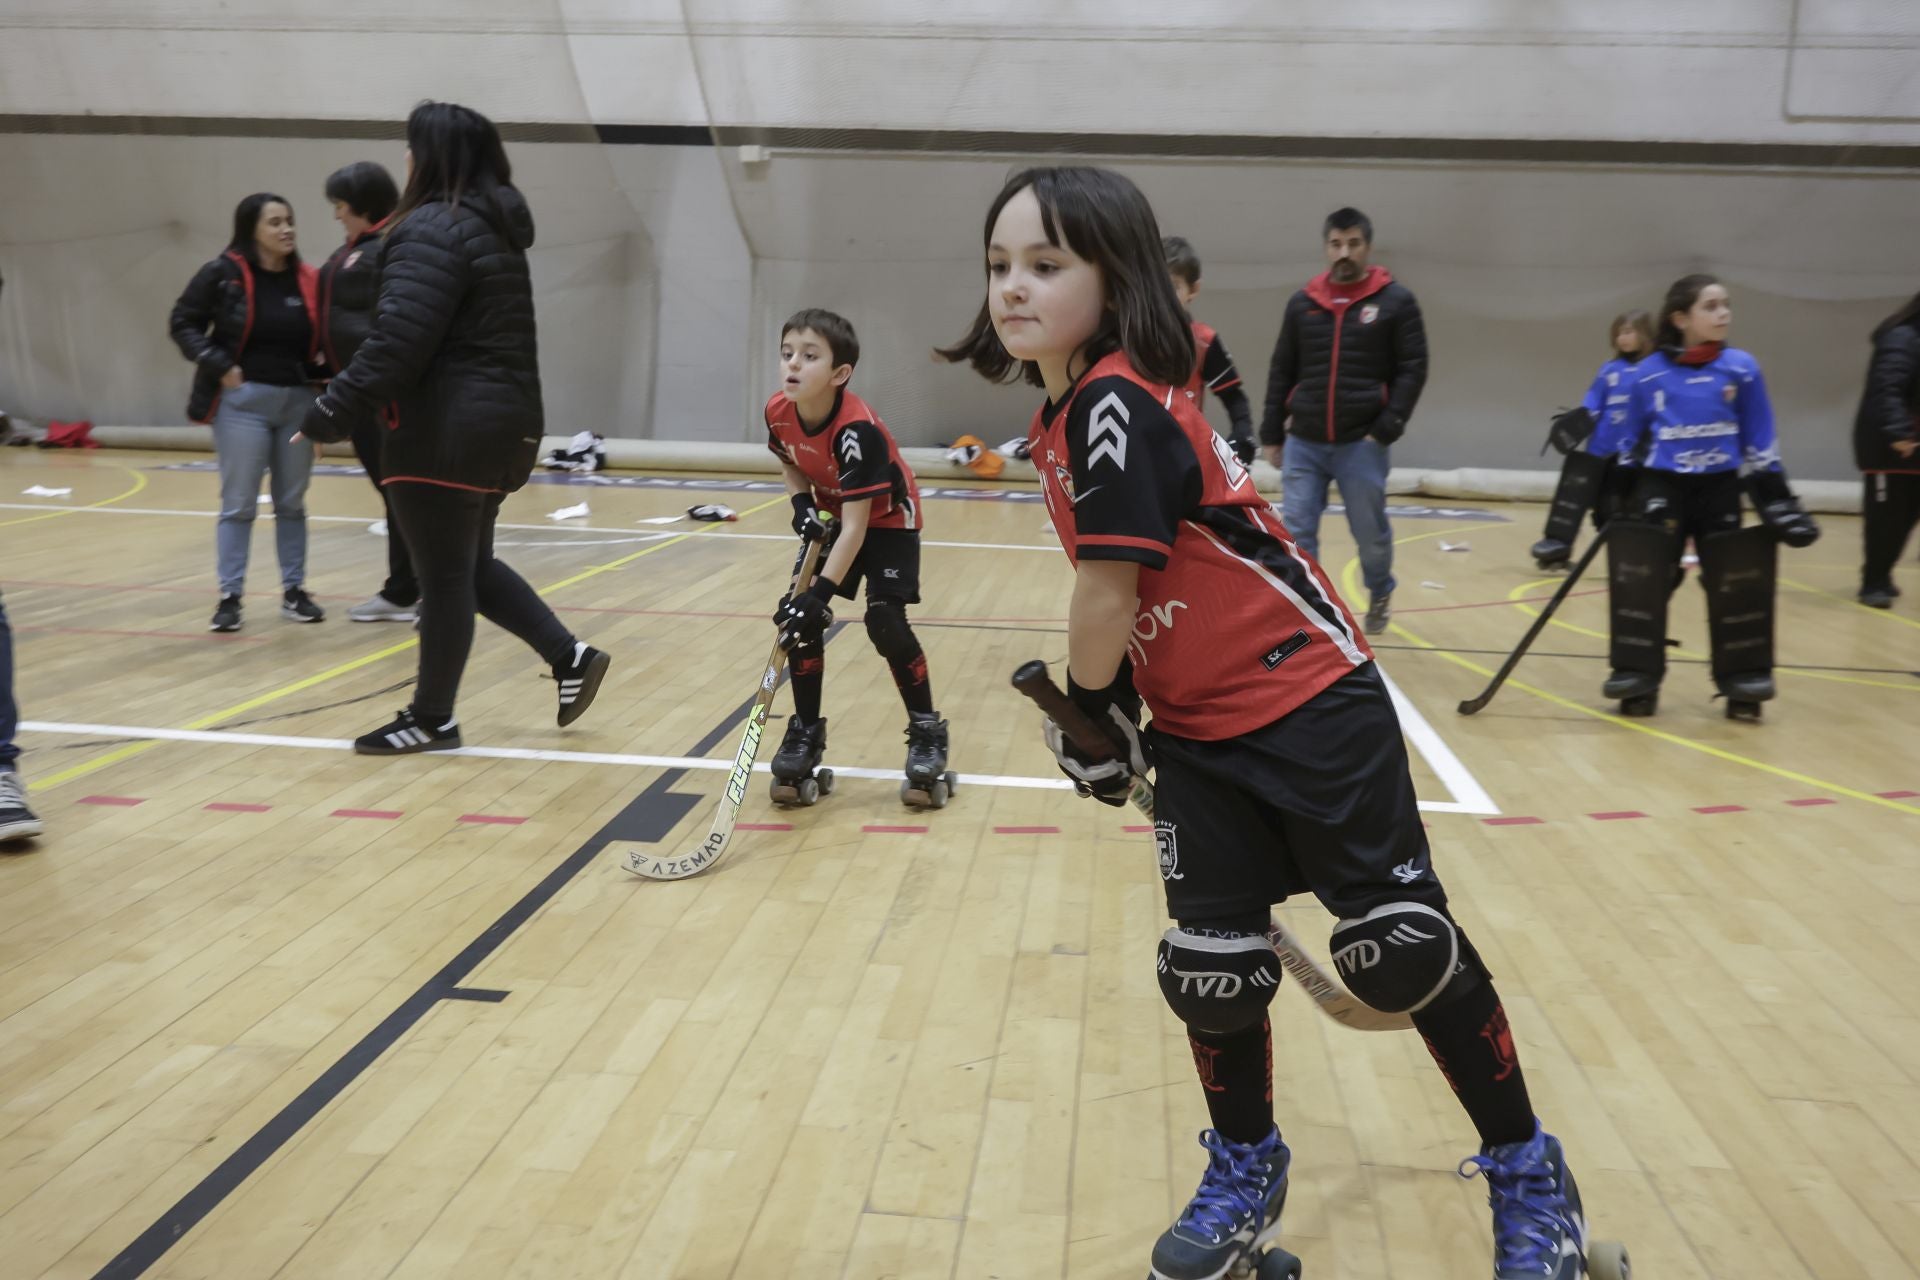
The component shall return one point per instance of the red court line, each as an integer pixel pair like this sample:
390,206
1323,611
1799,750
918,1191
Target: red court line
1722,808
221,806
1029,831
1616,815
365,813
488,817
1513,822
1136,829
125,802
763,826
1899,795
895,831
1811,801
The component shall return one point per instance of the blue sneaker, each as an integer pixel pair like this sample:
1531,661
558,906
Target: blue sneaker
1235,1211
1539,1232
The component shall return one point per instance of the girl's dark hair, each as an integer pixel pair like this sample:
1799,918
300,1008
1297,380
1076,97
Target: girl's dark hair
456,152
1102,217
1908,314
1638,321
365,188
246,219
1681,296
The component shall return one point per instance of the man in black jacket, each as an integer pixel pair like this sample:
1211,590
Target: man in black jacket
1346,374
363,197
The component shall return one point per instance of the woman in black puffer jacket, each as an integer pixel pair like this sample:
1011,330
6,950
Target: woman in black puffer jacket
452,351
1886,446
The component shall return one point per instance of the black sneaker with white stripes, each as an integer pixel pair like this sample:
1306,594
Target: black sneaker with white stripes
406,735
17,822
579,680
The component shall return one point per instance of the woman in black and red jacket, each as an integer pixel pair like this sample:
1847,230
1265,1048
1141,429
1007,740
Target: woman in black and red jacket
363,197
452,351
1886,446
249,321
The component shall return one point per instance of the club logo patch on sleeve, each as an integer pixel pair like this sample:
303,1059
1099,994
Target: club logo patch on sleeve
1285,649
1107,431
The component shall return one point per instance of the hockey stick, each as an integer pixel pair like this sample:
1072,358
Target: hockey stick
1332,999
1471,705
721,836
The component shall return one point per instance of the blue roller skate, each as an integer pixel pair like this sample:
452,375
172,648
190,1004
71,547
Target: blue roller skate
1226,1228
1539,1229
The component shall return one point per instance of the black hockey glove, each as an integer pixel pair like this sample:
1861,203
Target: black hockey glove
1569,431
806,616
1780,511
806,518
322,424
1107,776
1243,449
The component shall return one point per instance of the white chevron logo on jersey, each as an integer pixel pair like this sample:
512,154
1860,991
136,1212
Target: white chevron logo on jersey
1107,431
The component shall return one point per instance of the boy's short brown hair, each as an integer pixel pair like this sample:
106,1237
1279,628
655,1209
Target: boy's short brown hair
835,328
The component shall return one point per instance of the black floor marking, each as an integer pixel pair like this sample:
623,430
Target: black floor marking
646,819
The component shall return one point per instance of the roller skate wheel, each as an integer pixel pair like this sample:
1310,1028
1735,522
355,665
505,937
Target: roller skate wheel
1278,1265
953,782
938,793
1641,706
783,792
1607,1260
809,791
1743,710
825,779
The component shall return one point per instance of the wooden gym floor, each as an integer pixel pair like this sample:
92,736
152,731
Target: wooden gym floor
271,1009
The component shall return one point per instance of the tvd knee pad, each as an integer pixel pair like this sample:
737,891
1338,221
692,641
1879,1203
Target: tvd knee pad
1218,982
1398,957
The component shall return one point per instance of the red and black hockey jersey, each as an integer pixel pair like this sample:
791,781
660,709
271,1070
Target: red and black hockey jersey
1212,367
1236,625
852,456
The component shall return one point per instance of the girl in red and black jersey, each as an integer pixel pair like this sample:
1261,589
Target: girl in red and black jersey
839,458
1281,767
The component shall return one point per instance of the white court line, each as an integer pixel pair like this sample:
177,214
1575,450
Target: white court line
890,776
1469,796
633,535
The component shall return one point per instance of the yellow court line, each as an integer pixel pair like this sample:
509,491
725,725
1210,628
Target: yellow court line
1521,590
225,713
1888,614
1349,579
139,483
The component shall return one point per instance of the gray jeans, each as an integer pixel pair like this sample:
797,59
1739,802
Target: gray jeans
253,433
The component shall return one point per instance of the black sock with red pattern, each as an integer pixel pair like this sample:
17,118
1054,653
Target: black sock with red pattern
1236,1070
807,670
1469,1038
910,675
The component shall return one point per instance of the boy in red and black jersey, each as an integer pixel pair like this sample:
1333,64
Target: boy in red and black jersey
839,458
1212,367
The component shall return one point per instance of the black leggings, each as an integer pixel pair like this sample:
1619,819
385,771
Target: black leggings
450,533
401,586
1892,508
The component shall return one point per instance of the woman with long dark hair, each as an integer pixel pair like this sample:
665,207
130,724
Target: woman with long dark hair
1699,427
363,198
452,357
249,322
1886,446
1581,434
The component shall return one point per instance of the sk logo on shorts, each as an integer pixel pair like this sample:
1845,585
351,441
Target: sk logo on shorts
1169,849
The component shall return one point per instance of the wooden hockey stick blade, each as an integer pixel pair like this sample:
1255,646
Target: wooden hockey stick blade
1326,991
720,835
1472,705
1334,999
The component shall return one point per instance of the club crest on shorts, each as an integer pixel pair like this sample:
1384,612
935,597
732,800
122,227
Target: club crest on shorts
1168,847
1369,313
